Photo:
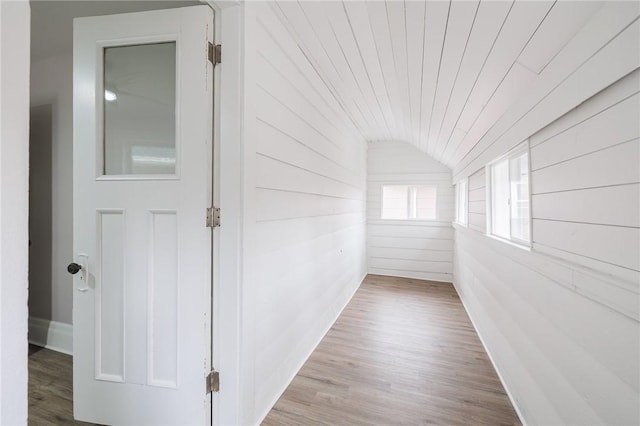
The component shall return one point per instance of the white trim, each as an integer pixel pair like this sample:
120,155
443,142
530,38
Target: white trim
228,192
434,223
515,243
465,220
421,276
495,366
14,209
487,199
301,364
54,335
522,148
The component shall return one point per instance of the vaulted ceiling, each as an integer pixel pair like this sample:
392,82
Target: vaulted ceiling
436,74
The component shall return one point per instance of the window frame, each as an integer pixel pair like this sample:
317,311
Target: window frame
464,182
411,187
520,149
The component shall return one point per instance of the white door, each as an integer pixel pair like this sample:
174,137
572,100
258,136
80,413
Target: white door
142,160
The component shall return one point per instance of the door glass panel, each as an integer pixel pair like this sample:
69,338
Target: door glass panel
139,109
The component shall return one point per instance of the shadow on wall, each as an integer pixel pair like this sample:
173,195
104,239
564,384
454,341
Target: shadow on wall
40,205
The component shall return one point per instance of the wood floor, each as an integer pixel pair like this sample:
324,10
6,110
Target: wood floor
50,388
402,352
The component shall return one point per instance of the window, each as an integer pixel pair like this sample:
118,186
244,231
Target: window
461,202
509,193
409,202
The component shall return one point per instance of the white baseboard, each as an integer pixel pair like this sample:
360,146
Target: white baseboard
301,364
54,335
519,412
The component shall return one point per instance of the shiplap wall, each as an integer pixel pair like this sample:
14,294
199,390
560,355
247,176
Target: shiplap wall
585,182
603,51
305,226
421,249
561,322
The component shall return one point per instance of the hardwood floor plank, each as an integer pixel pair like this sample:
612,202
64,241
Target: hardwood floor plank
50,388
402,352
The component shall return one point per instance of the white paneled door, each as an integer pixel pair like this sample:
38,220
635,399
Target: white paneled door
142,183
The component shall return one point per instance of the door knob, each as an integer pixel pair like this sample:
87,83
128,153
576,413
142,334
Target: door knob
73,268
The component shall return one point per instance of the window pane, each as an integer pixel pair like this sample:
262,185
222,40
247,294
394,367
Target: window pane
458,202
465,203
425,202
500,199
409,202
139,109
461,200
395,201
519,177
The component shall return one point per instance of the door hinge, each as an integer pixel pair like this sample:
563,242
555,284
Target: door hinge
215,53
213,217
213,382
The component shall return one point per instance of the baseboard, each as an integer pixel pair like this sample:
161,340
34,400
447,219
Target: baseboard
299,367
54,335
495,366
423,276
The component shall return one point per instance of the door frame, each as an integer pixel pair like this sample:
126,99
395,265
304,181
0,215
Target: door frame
14,203
228,194
227,190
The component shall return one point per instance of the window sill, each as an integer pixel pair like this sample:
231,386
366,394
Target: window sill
509,242
465,228
591,279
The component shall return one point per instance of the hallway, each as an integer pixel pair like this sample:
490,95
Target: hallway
402,352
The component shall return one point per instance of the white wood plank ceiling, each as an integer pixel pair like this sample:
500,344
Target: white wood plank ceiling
436,74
